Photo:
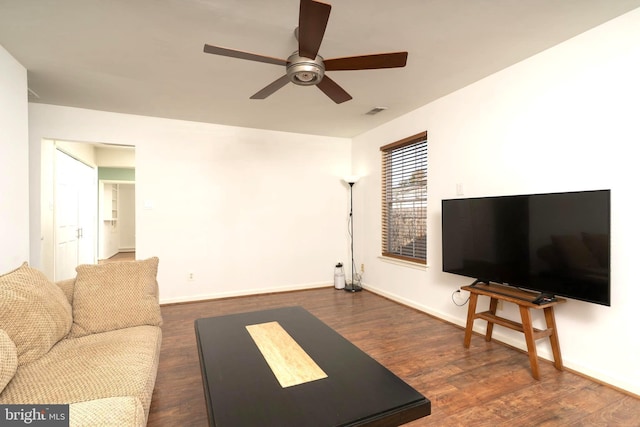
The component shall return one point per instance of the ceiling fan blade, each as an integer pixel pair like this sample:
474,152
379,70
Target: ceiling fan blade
217,50
333,90
367,62
271,88
313,20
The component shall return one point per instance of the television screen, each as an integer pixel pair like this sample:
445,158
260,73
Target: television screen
556,243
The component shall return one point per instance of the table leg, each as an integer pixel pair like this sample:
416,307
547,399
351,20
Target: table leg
493,306
555,342
471,315
527,326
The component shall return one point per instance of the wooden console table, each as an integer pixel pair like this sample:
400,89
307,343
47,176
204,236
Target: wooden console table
524,301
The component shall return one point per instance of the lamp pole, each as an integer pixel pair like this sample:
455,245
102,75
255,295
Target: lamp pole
352,287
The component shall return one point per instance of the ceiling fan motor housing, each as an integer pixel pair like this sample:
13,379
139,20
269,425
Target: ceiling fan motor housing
305,71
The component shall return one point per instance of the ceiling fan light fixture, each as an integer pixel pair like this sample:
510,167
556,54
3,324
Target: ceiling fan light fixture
305,67
304,71
305,76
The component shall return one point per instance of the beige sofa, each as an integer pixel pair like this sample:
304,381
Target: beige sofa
92,342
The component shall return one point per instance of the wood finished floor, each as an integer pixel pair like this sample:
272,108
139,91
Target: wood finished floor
488,384
120,256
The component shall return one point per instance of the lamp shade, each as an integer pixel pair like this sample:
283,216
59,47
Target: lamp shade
351,179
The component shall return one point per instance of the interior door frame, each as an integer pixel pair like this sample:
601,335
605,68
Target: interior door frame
47,183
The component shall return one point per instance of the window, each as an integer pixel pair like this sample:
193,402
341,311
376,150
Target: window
404,199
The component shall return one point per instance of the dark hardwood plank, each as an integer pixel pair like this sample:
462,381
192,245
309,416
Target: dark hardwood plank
487,384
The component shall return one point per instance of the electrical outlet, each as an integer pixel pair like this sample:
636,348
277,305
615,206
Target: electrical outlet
362,268
190,276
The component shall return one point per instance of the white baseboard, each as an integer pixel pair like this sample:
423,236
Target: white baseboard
413,304
220,295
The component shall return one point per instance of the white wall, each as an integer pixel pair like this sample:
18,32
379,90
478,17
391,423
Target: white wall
566,119
14,164
245,210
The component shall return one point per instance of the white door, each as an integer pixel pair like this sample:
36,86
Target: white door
87,214
75,206
66,208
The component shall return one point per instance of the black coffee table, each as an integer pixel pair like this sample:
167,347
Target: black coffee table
242,390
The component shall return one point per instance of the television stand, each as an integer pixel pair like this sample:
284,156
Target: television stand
525,301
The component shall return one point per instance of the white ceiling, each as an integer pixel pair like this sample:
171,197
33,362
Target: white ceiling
145,56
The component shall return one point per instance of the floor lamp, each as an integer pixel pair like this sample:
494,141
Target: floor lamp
352,287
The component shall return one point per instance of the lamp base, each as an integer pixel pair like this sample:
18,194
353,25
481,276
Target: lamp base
352,287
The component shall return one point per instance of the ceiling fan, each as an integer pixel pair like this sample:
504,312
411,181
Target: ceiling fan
305,67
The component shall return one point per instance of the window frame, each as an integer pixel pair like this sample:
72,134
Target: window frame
420,198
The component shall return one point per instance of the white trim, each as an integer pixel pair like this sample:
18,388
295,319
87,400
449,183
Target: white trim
404,263
412,304
248,292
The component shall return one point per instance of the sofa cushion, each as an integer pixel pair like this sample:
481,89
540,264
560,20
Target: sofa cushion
114,296
108,412
33,311
118,363
8,359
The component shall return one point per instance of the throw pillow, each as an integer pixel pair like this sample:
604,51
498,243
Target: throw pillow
33,311
115,296
8,359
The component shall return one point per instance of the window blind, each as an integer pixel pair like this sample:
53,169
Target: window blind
404,199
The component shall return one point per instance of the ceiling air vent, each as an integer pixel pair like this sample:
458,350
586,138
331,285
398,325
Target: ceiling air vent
31,94
375,111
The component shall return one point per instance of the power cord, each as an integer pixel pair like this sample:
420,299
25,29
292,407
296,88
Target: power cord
457,291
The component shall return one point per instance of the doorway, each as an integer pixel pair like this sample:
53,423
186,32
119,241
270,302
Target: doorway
71,221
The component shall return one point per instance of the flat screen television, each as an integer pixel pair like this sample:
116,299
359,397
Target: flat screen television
554,244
